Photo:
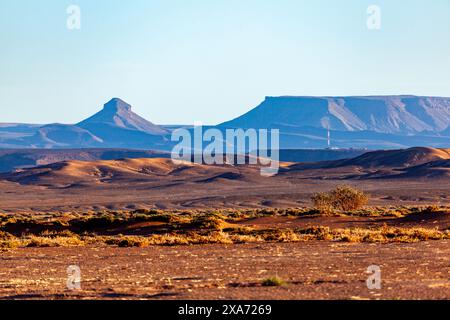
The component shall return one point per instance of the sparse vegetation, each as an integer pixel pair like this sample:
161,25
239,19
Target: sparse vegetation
389,234
125,229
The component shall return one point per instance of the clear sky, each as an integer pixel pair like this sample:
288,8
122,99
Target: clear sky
180,61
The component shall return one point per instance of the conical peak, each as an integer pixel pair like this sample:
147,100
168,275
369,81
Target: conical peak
117,104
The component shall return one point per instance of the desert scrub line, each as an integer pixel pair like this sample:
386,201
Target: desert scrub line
356,235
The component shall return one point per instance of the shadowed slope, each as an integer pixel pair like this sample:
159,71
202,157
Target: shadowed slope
408,163
434,169
12,159
61,135
398,158
127,171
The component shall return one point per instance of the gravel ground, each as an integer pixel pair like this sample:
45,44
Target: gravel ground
311,270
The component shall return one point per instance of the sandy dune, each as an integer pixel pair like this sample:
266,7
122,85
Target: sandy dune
399,178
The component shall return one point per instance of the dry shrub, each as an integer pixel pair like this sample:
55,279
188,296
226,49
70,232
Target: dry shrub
58,234
343,198
209,222
316,233
127,242
240,230
218,237
8,241
165,218
239,238
280,235
9,244
347,198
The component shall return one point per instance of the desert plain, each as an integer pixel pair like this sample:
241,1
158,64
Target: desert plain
152,229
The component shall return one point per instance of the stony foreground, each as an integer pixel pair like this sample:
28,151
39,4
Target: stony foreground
311,270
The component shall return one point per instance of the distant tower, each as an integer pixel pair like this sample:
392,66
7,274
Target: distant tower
329,138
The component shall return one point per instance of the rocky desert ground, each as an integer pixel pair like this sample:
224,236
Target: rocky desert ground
312,270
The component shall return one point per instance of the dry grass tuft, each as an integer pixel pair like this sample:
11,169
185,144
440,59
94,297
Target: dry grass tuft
127,242
273,282
40,242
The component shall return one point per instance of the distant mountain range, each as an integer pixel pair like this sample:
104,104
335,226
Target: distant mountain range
373,122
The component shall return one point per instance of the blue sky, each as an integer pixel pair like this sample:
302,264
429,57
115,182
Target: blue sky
180,61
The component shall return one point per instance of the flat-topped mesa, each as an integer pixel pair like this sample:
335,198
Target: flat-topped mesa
400,114
117,104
